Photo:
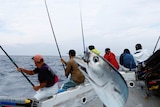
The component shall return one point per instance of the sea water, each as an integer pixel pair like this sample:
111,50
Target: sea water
13,83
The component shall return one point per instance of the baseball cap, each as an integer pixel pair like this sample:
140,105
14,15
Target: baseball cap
37,58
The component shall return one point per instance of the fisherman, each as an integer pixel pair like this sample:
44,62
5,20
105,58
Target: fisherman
141,54
93,49
77,76
110,56
48,85
127,61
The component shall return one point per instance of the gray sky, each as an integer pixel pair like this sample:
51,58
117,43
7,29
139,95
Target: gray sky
117,24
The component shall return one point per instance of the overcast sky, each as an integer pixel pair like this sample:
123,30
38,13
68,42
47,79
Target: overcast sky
114,24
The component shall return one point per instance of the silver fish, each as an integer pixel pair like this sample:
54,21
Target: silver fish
107,82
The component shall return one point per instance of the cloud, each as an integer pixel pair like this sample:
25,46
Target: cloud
116,24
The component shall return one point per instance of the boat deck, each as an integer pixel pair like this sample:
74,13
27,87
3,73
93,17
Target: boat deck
138,98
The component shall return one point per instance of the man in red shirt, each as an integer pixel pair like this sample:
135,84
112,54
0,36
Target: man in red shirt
111,58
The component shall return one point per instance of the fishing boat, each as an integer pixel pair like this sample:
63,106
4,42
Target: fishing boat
82,95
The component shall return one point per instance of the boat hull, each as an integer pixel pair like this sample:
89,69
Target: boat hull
80,96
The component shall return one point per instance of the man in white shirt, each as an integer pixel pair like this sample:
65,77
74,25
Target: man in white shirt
141,54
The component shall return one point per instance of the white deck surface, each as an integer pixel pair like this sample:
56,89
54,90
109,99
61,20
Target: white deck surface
137,98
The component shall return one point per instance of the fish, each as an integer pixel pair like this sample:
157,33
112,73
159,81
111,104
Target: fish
108,83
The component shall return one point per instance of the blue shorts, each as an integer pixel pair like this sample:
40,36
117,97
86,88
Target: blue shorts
69,84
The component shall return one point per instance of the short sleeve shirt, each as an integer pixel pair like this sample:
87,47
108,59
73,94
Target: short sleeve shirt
45,74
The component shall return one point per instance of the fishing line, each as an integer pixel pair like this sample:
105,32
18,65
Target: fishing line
16,66
156,44
53,31
82,29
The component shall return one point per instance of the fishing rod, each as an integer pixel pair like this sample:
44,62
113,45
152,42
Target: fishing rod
156,44
16,66
82,29
53,31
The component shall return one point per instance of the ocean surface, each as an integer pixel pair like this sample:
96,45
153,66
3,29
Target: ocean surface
13,83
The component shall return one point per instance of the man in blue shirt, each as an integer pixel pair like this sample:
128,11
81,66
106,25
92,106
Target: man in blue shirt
127,60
